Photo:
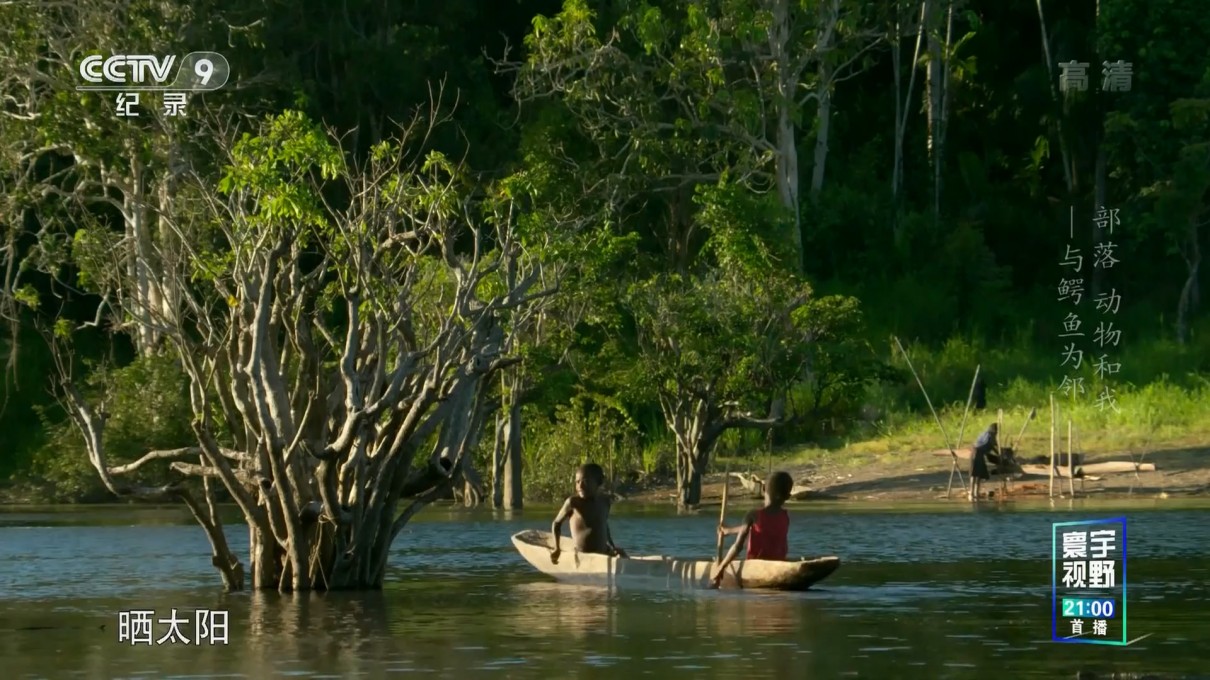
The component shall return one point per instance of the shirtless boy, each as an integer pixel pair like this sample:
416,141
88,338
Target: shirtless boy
588,510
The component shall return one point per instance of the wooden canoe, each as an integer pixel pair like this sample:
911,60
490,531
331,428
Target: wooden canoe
574,566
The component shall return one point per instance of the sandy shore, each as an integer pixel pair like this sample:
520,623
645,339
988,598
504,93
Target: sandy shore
924,476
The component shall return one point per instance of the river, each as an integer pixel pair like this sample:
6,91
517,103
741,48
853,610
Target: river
924,592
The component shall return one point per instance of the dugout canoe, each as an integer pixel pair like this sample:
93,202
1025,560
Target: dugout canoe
574,566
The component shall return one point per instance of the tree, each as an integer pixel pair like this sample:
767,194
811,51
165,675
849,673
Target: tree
901,27
582,253
339,339
681,92
715,349
719,346
1157,134
67,150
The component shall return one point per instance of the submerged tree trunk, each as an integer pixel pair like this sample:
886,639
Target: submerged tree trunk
498,460
329,434
512,483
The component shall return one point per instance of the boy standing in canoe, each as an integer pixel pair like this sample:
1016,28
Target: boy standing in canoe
766,530
588,510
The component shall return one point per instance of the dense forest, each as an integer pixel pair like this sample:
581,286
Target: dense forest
491,240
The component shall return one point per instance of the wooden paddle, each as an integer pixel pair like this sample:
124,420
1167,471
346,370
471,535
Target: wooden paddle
722,513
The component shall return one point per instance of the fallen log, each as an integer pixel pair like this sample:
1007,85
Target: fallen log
750,482
1117,467
1107,468
799,493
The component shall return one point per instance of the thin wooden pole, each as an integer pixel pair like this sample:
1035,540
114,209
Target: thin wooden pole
769,446
722,514
613,482
1071,463
954,456
962,430
1052,445
1033,413
969,397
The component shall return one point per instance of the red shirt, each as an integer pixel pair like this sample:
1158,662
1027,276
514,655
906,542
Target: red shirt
767,538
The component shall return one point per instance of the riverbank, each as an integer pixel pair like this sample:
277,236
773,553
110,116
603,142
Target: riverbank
1181,470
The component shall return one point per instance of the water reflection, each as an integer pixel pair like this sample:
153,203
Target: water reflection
460,602
556,609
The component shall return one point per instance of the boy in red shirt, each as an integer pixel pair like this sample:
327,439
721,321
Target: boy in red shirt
766,529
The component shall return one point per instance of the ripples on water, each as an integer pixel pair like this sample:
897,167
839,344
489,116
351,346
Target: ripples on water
920,595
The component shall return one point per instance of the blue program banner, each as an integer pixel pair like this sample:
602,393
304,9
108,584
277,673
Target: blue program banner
1088,582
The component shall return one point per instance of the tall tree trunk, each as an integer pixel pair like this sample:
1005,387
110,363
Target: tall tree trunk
933,96
1193,263
825,43
943,117
787,130
689,492
144,301
902,109
822,129
1068,169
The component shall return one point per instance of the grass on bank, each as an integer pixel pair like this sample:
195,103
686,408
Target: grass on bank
1162,402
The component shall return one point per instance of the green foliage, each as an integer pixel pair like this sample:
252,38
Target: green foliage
640,176
842,364
148,406
718,337
588,428
748,233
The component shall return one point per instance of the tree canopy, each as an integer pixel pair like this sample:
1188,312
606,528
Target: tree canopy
407,252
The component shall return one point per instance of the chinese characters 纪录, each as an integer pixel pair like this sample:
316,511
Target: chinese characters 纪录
207,626
1116,76
1089,583
173,104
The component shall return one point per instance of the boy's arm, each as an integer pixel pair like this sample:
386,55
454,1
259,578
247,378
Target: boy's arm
609,539
556,527
608,534
742,530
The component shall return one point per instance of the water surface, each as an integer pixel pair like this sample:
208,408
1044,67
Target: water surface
924,592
